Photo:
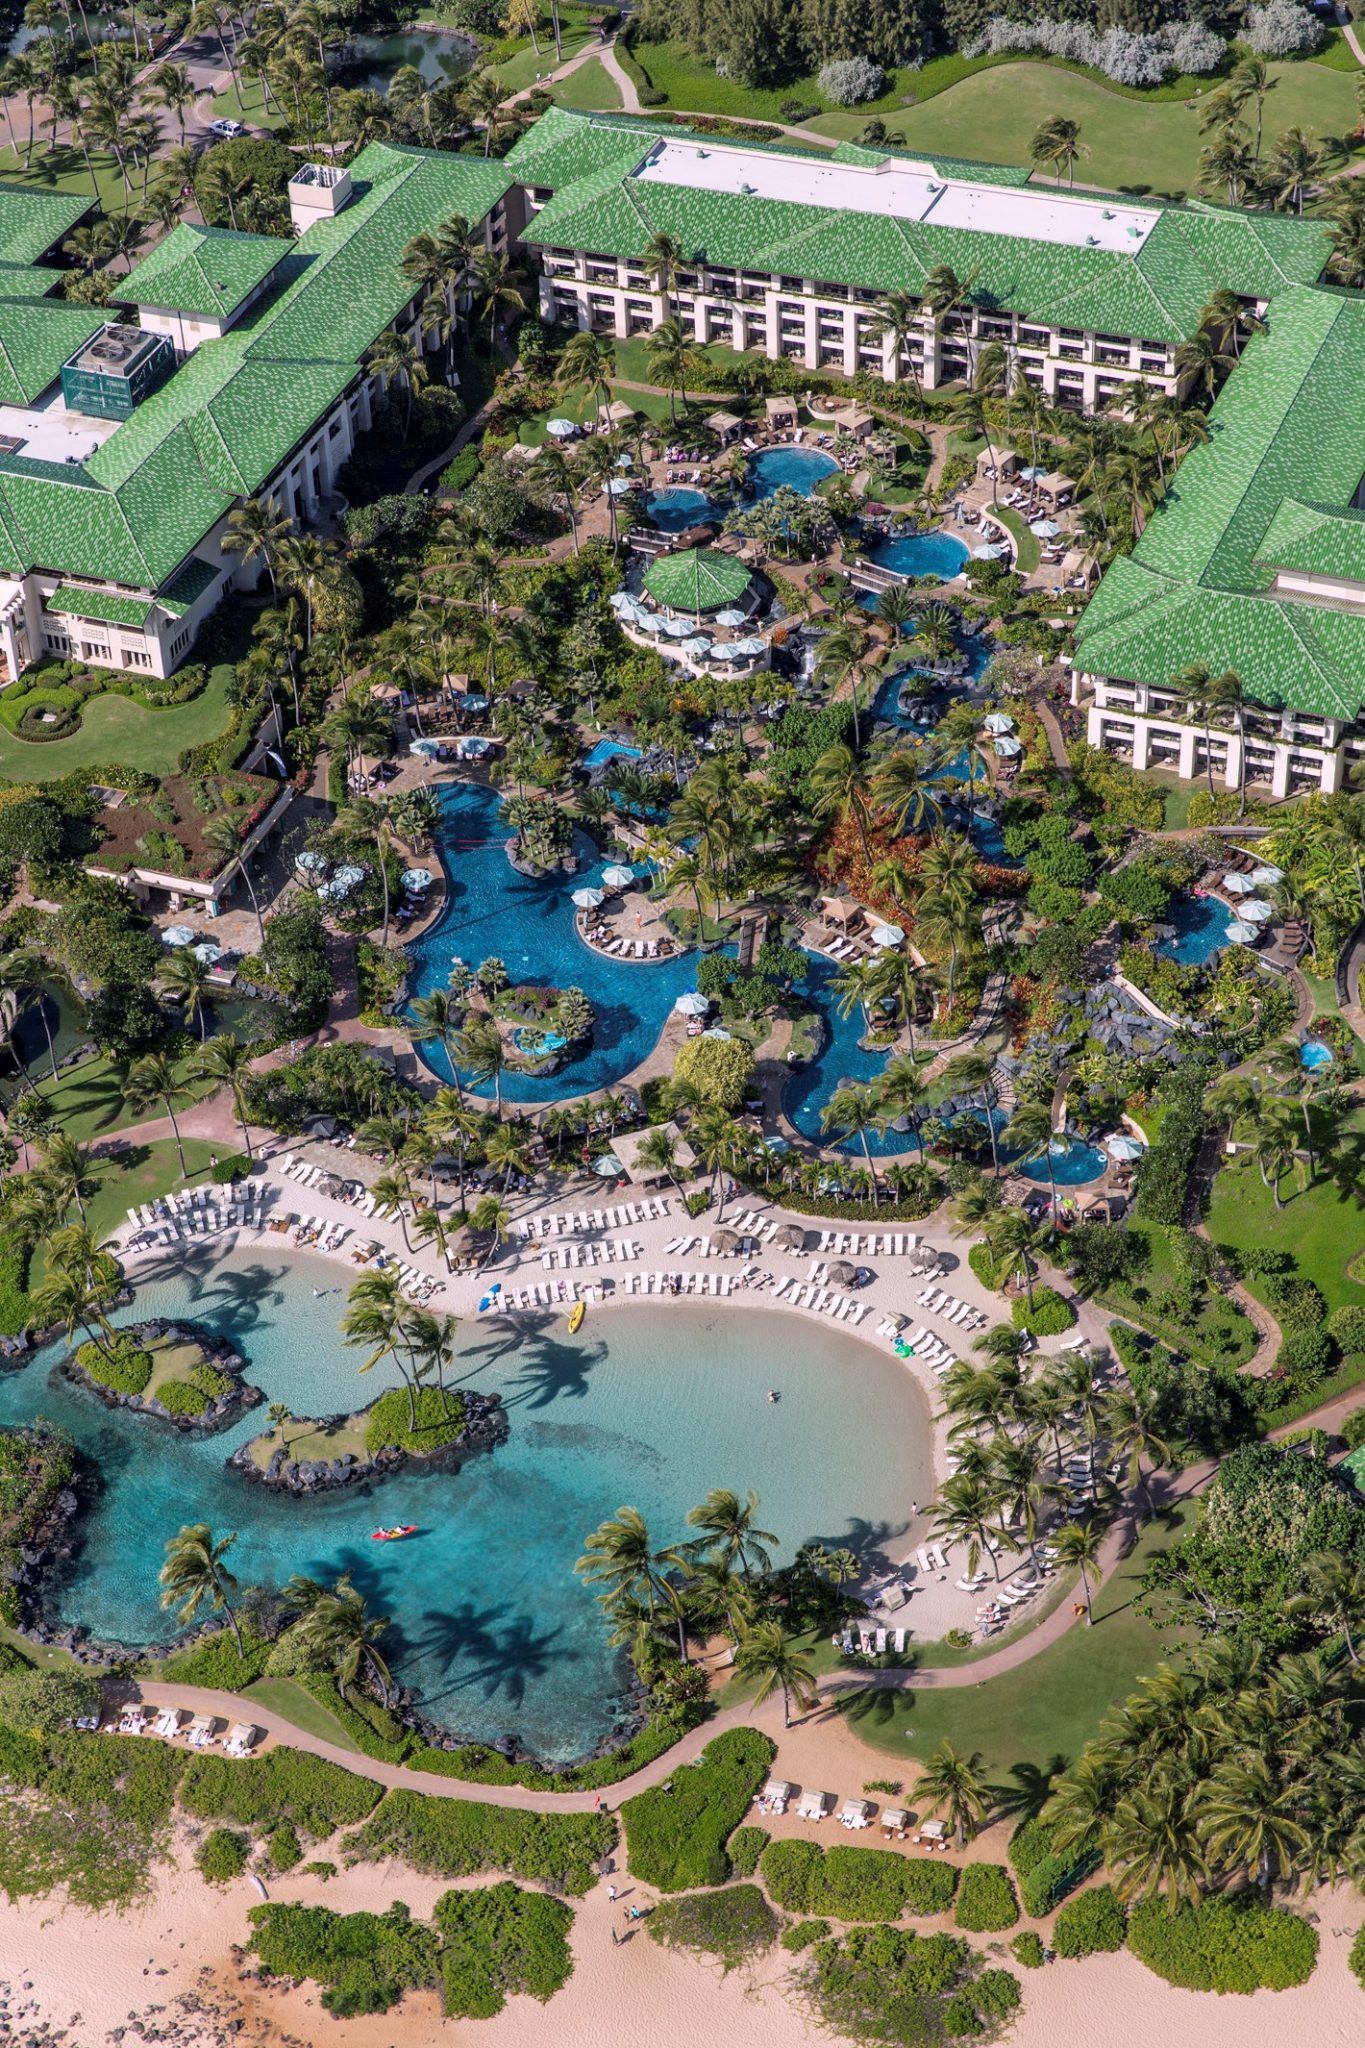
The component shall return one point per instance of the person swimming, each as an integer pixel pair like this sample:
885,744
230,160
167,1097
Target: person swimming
773,1394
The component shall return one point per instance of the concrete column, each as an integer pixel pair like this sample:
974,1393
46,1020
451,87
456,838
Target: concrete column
1141,743
851,342
1279,774
11,644
1233,773
1188,740
620,317
1333,771
812,336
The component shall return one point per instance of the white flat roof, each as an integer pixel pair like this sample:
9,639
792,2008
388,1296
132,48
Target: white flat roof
904,190
52,434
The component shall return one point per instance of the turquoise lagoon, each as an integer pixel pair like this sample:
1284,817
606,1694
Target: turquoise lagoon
489,1624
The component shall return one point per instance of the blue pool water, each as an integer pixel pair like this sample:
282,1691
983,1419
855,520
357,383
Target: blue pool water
796,469
489,1623
922,554
526,1038
1314,1055
674,509
1201,929
609,750
1071,1167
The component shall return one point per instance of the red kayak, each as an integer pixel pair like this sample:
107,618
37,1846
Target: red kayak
395,1535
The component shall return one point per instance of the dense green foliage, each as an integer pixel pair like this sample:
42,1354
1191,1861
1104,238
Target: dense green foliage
1090,1924
888,1984
745,1847
1227,1944
1357,1958
676,1832
1045,1876
459,1838
1163,1173
481,1766
96,1818
366,1961
35,1464
854,1884
1047,1316
389,1421
285,1784
122,1364
734,1923
986,1903
223,1854
801,1934
284,1848
1027,1948
499,1941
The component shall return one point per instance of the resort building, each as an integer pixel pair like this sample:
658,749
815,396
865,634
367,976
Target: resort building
788,253
1253,563
125,444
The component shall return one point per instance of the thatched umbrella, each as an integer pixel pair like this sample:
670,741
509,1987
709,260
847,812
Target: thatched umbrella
789,1237
841,1274
725,1240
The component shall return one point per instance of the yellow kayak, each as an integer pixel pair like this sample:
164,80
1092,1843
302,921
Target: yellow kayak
576,1315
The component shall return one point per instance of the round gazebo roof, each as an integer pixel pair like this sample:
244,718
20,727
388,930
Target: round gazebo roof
697,580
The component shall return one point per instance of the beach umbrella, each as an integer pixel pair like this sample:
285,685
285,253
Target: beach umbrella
473,748
561,429
887,935
841,1274
789,1237
619,486
607,1167
589,899
1006,746
177,935
1242,934
1239,884
697,647
730,617
745,650
999,721
416,878
1266,878
725,1240
989,551
618,877
206,952
624,461
775,1146
621,601
692,1005
475,700
1046,529
1034,471
1256,910
678,629
716,1031
1121,1146
425,750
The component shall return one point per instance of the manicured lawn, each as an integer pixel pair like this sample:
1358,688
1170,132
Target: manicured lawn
520,71
1135,145
1320,1227
87,1101
248,106
282,1696
590,88
117,731
1049,1706
1029,552
138,1175
64,171
1158,1301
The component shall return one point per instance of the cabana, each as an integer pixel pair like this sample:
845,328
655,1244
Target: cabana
998,462
1056,488
168,1722
815,1805
857,1813
894,1820
781,412
726,426
242,1738
844,911
775,1796
614,415
626,1145
855,420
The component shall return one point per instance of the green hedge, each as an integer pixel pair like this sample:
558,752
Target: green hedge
438,1423
286,1784
889,1984
16,1309
745,1847
1048,1316
1045,1878
1027,1948
1163,1172
223,1854
122,1365
676,1832
802,1934
366,1961
986,1901
1091,1924
1356,1959
854,1884
903,1211
178,1397
734,1924
1224,1945
499,1941
459,1838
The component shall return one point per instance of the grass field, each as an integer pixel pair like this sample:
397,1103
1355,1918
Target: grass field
520,71
1028,548
117,731
282,1696
1220,1333
1320,1227
137,1174
1135,145
87,1101
590,89
1048,1707
64,170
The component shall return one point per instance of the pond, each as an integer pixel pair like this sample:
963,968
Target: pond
488,1620
369,62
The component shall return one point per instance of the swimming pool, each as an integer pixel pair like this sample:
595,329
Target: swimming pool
1200,929
675,509
921,554
603,751
1072,1165
789,468
1314,1055
488,1622
537,1044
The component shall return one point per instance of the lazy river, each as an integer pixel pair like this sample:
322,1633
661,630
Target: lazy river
489,1623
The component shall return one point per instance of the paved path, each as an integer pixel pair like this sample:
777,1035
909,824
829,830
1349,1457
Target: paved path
1352,40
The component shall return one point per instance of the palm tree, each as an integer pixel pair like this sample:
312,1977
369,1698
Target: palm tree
437,1019
1251,80
729,1526
481,1051
153,1079
896,319
587,359
1031,1133
854,1110
968,1511
29,979
657,1150
310,566
377,1315
258,527
67,1298
335,1629
497,290
670,356
952,1784
1077,1547
1011,1239
904,785
1334,1584
171,86
1247,1820
970,1074
766,1652
663,259
620,1558
194,1572
398,357
225,1061
183,975
1058,145
1293,163
65,1173
1131,1435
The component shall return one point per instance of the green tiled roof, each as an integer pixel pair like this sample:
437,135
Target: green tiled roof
1016,175
203,270
1155,293
25,281
36,337
109,606
237,407
32,219
697,580
186,588
1286,445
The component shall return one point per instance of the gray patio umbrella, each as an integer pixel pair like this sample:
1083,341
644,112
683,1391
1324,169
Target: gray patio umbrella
841,1274
1240,884
1255,910
725,1240
789,1237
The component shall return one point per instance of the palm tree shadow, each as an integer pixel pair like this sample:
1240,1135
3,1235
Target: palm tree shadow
550,1372
1026,1797
497,1662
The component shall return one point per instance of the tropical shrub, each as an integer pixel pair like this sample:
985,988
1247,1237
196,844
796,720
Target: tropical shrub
389,1422
284,1848
366,1961
1049,1315
459,1838
893,1985
178,1397
1045,1877
986,1902
1163,1172
122,1365
1347,1325
1352,1429
847,80
1027,1948
801,1934
676,1832
1281,28
223,1854
854,1884
720,1069
1356,1959
745,1846
1227,1944
735,1923
498,1941
1090,1924
284,1785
